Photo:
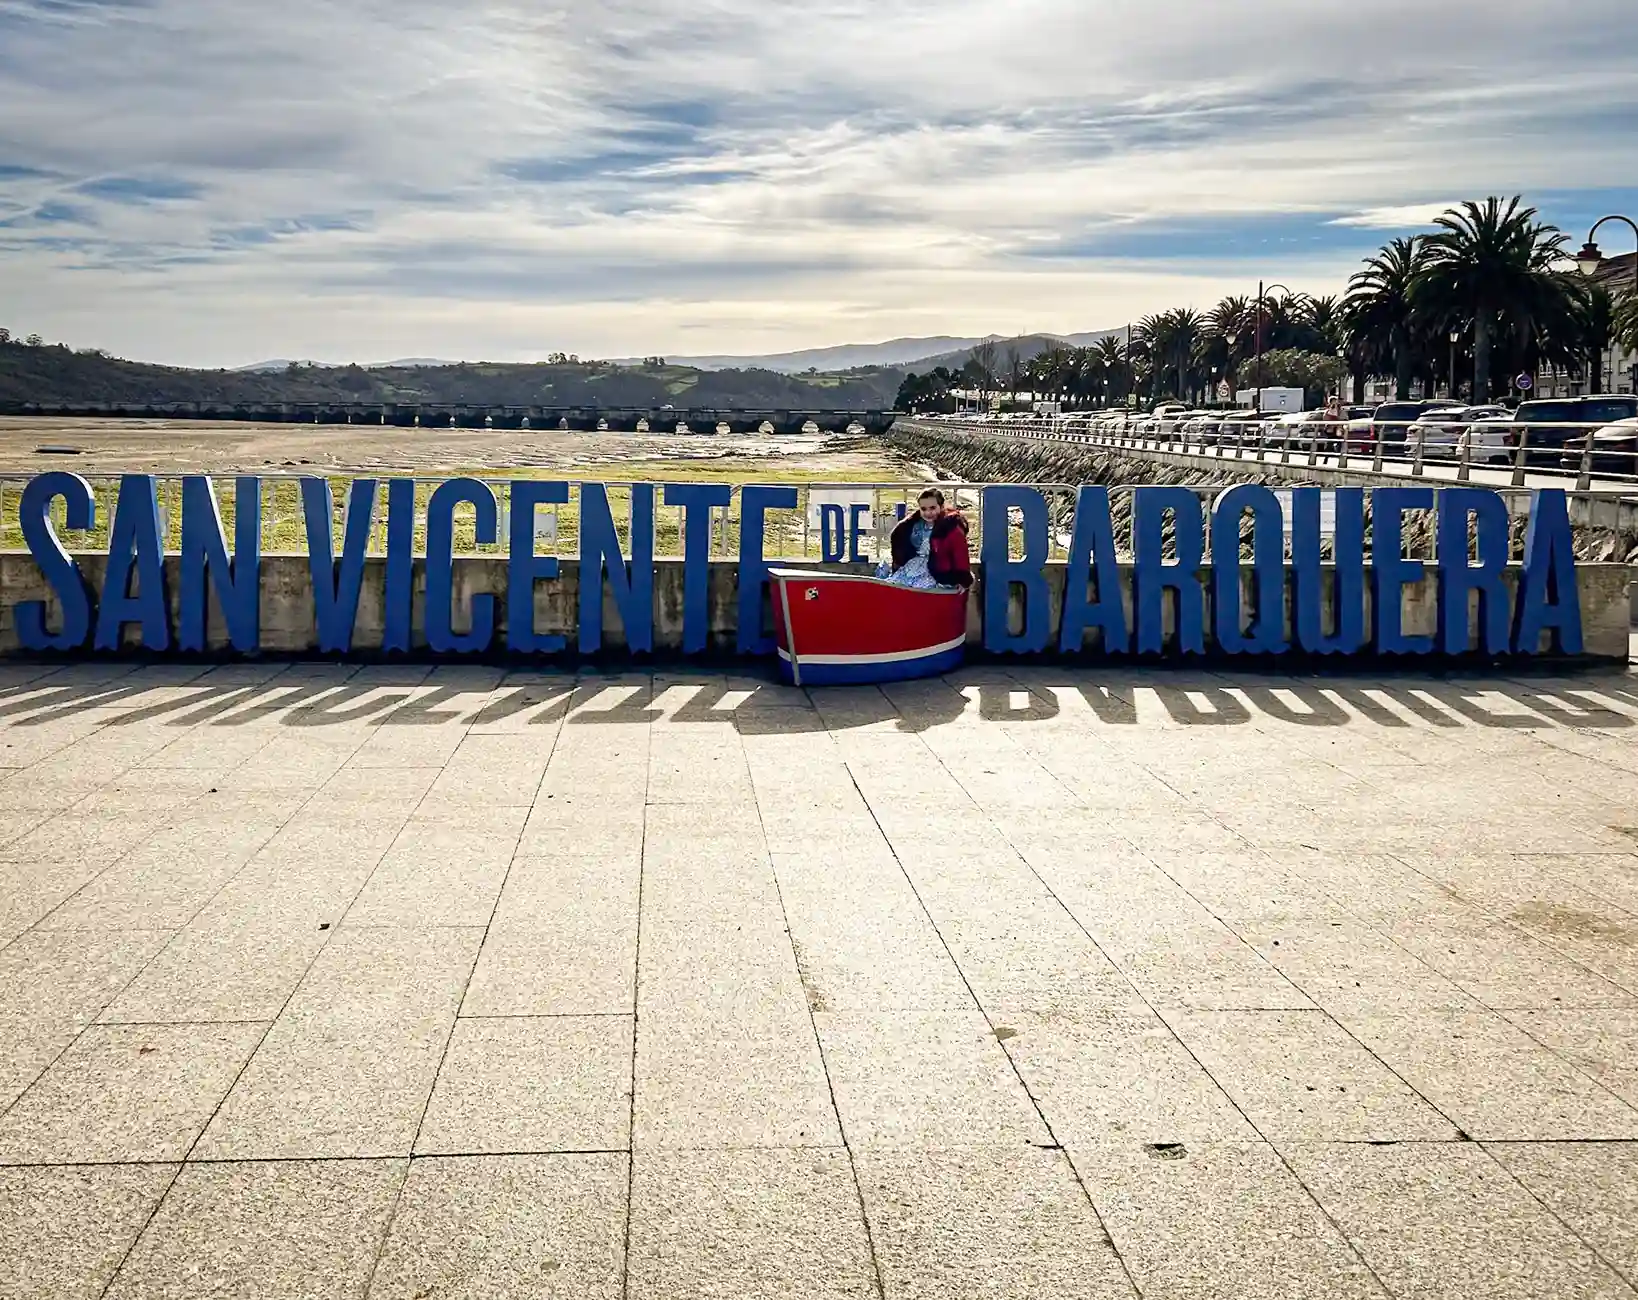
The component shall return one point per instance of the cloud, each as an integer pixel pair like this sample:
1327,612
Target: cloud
214,183
140,190
1411,216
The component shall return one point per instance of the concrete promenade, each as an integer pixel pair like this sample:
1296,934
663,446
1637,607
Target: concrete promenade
319,981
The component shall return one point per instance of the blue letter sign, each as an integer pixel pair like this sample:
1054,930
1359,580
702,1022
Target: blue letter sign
1549,600
1092,559
1458,575
1316,599
56,566
336,587
753,569
237,581
697,501
441,636
135,546
1152,575
1267,632
600,551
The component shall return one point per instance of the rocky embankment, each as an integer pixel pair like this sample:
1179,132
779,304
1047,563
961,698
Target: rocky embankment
966,456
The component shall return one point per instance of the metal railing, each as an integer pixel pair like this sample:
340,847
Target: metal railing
1504,452
792,534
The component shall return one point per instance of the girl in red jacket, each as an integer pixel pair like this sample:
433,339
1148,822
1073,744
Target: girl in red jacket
929,547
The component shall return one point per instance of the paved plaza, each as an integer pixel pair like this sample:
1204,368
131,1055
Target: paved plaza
322,981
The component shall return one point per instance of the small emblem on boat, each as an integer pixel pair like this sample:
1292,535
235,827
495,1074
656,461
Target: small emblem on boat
812,593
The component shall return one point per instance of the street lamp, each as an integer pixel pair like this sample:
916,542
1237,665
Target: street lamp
1455,338
1261,297
1589,259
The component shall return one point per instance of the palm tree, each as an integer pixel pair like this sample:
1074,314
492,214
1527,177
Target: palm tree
1228,336
1185,330
1380,308
1145,349
1323,316
1492,263
1596,326
1116,366
1625,324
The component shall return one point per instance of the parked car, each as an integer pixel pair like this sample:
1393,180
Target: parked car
1391,419
1245,428
1615,449
1555,422
1196,427
1439,432
1358,426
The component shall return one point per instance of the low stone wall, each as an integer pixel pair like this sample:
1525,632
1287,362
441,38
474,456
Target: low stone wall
288,627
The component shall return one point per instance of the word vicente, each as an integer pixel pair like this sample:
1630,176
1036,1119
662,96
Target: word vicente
1328,599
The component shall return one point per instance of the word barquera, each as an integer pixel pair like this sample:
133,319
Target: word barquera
1338,605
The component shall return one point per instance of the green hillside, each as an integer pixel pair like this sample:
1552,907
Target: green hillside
54,374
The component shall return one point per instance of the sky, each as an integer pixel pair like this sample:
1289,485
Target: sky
221,183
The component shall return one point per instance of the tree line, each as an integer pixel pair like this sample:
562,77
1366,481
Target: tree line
1489,291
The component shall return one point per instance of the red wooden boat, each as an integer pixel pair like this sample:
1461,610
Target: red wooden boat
844,628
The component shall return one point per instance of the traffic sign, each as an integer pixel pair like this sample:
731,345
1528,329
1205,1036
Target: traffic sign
1523,383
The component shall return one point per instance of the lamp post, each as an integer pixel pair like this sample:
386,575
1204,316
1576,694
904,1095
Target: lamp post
1590,258
1455,338
1257,403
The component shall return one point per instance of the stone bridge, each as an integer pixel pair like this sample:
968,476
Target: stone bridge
445,415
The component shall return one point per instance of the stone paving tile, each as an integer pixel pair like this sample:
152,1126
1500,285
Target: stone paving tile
65,1228
924,1078
507,1226
524,1085
45,867
581,962
494,770
1211,1219
1592,1187
349,1065
1039,961
125,1093
861,940
165,881
1493,1080
779,1225
1601,1043
711,1082
1118,1075
1298,1075
53,984
1504,967
595,878
438,873
1444,1220
220,970
1007,1223
356,784
1347,966
283,1230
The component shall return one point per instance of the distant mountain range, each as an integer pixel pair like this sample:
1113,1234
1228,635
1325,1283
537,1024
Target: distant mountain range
919,353
284,363
922,353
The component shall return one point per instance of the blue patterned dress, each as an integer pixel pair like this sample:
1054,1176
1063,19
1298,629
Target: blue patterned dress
915,572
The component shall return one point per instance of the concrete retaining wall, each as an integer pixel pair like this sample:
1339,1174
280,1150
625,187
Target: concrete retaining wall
287,603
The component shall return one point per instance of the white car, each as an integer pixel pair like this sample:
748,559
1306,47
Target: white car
1439,433
1304,430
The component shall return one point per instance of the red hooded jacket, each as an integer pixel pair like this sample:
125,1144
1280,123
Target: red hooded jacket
948,559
